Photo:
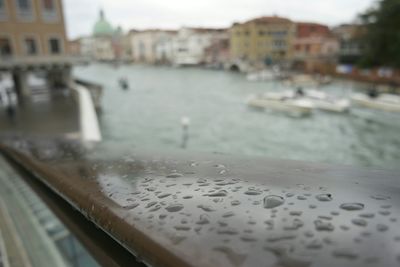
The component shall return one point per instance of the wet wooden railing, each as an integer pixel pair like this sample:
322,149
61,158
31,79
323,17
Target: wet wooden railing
215,210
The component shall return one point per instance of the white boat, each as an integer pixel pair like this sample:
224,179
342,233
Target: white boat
323,101
273,101
264,75
386,102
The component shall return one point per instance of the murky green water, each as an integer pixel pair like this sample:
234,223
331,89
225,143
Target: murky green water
149,116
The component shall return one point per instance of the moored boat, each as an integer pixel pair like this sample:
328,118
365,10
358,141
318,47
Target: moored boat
386,102
284,104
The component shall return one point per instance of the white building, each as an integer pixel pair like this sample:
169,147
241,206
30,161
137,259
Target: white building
190,44
152,46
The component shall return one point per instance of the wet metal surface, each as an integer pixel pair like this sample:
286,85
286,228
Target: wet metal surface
215,210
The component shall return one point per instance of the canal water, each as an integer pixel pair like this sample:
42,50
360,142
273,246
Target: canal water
149,115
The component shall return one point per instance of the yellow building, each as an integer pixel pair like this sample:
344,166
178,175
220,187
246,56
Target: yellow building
33,39
265,39
31,27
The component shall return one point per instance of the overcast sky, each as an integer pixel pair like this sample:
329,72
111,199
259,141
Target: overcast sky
80,15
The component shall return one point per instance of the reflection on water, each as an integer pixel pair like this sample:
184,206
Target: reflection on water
149,115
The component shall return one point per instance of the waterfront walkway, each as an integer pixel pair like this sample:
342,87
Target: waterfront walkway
54,113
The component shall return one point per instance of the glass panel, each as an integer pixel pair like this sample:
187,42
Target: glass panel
24,9
49,10
30,46
5,47
48,4
55,46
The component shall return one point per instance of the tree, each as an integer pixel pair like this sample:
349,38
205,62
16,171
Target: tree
382,38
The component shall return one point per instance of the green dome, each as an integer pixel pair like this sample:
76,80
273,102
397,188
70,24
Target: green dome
102,27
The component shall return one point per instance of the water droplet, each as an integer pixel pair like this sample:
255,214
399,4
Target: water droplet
344,227
248,238
221,193
151,204
367,215
228,214
384,212
324,197
252,192
352,206
382,227
252,222
296,224
380,197
323,226
174,175
164,195
301,197
335,213
205,207
359,222
315,244
155,208
289,195
187,197
345,253
308,234
222,223
273,201
182,227
162,216
280,237
325,217
312,206
235,202
174,207
296,213
131,206
227,231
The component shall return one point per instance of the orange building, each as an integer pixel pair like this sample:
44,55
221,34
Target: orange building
314,48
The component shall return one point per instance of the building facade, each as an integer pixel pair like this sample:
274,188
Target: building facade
30,28
152,46
262,40
314,48
190,44
351,43
33,39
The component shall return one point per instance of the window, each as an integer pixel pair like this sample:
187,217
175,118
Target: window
24,4
24,9
49,10
48,5
30,46
3,12
54,46
5,47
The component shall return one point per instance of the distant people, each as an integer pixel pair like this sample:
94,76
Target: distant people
123,83
299,92
373,93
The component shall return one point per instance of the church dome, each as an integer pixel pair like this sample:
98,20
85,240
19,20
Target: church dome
102,27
